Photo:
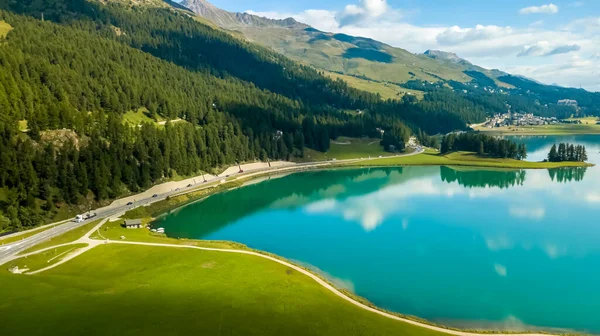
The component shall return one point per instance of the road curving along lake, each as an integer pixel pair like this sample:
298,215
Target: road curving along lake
467,248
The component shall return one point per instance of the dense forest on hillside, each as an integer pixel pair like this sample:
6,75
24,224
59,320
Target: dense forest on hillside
550,94
67,81
482,97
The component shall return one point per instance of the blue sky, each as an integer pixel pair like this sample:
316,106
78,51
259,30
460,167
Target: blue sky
552,41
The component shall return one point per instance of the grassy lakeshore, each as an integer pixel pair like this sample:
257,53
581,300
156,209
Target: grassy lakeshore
433,158
561,129
213,292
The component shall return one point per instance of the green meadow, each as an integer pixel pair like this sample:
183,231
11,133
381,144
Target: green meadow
141,290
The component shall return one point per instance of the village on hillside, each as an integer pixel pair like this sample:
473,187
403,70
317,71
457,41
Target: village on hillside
519,119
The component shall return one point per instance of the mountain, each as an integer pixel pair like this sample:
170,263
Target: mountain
359,57
231,20
393,72
445,56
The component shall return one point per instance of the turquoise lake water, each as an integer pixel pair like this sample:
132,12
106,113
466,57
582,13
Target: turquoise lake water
468,248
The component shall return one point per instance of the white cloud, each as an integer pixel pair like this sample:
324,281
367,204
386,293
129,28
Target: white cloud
543,9
527,212
593,197
545,48
365,10
457,35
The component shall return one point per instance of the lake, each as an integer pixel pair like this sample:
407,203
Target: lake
469,248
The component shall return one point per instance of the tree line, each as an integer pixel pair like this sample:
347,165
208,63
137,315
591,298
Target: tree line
483,145
567,152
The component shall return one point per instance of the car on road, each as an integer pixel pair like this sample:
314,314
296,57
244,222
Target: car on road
189,185
129,203
155,196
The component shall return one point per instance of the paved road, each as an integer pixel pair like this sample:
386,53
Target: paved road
9,250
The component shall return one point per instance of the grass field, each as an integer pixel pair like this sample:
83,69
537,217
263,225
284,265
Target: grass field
4,29
43,259
433,158
561,129
138,117
386,90
141,290
66,237
347,148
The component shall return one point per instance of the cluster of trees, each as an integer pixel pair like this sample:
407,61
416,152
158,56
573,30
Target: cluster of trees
483,145
427,140
567,152
395,138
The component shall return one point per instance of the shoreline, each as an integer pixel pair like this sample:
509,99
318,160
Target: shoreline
292,167
243,180
239,248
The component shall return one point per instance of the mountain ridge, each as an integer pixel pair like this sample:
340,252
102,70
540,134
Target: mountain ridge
341,53
231,20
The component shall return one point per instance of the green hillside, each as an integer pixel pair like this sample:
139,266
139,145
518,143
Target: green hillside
353,55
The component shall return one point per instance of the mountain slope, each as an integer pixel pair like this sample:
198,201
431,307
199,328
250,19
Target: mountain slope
234,20
340,53
379,65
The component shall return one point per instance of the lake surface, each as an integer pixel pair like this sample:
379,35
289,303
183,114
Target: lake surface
466,248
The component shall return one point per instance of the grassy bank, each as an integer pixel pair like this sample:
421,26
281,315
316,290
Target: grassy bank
346,148
433,158
213,293
562,129
114,231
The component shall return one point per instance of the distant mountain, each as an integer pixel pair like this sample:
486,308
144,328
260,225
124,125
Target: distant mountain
392,72
344,54
231,20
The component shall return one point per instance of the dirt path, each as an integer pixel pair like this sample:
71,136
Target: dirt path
91,243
